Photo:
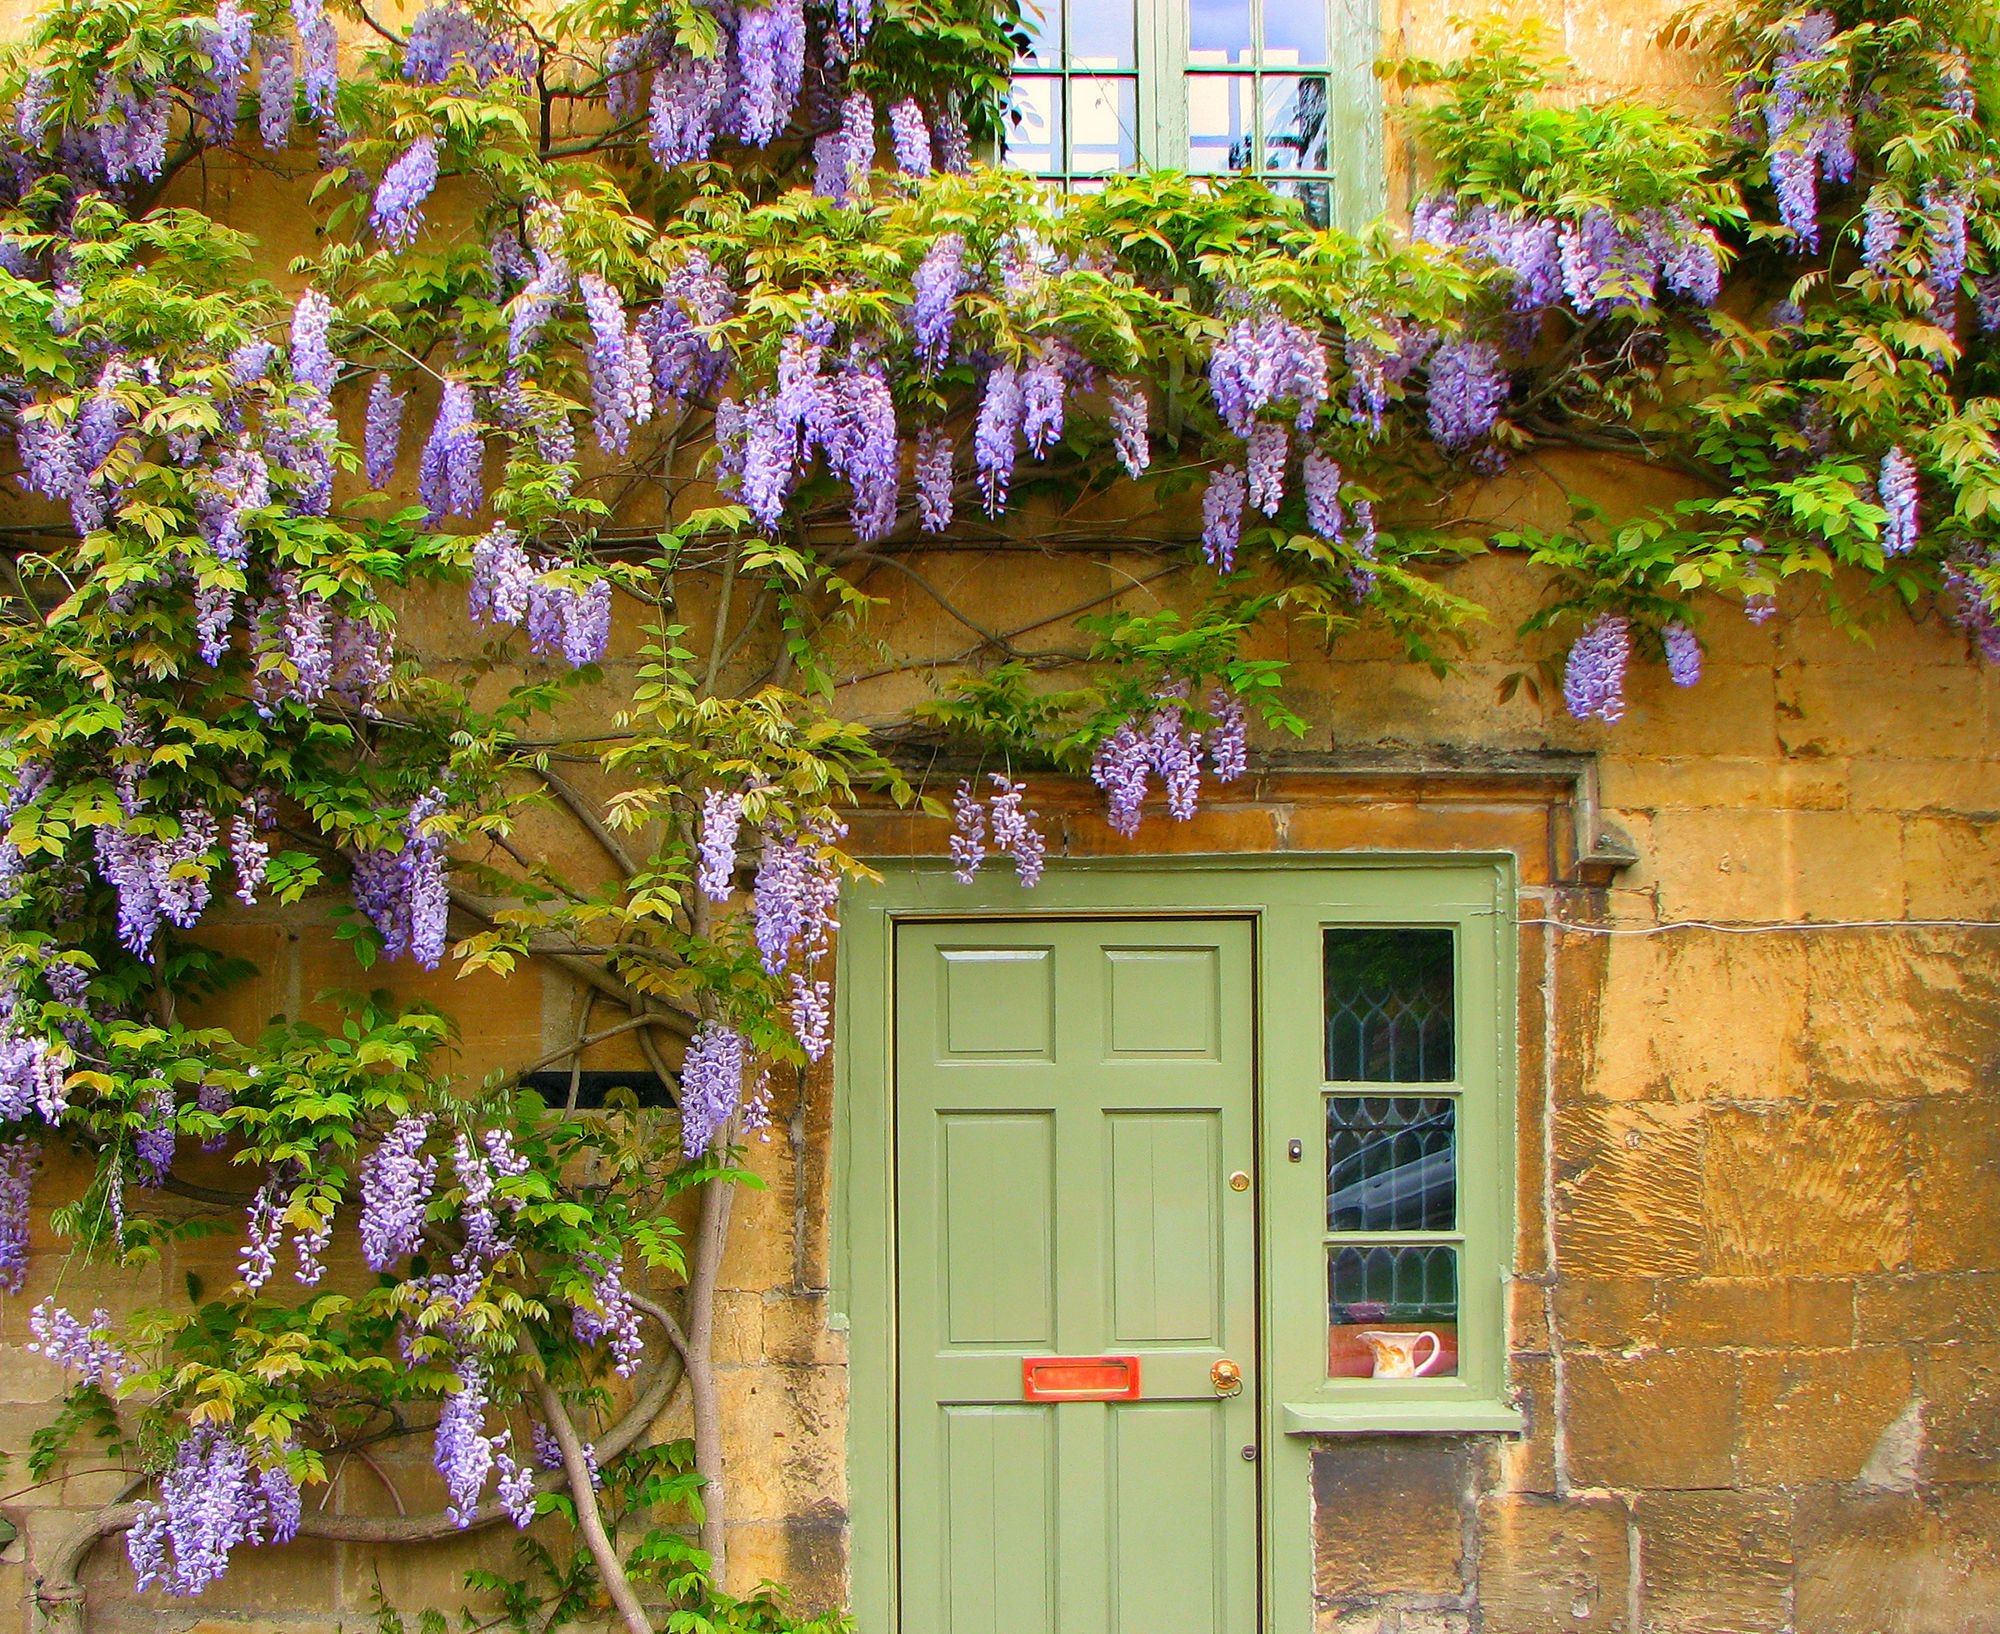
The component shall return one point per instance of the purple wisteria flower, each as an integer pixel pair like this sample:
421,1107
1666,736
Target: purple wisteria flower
1265,359
153,1145
1222,517
1900,494
313,362
996,435
19,1159
689,93
265,1228
794,896
382,432
319,48
721,821
406,893
81,1346
227,41
1014,830
451,481
934,291
396,1181
34,1077
249,852
610,1313
621,372
1321,478
211,1501
1229,737
1264,461
398,210
1130,440
711,1086
514,1483
1467,388
1594,676
968,834
951,142
277,91
769,55
460,1448
1945,229
1175,751
1881,233
911,138
1683,654
1120,768
688,357
857,139
937,480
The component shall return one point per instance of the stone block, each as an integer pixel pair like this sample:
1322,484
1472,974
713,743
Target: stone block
1967,788
1897,1563
1905,1013
806,1559
1841,707
796,1331
1953,868
1714,1563
1759,865
1628,1190
784,1440
1607,1313
1389,1516
1818,1415
1553,1567
1959,1385
1725,783
1756,1313
1929,1308
1690,1017
1527,1462
1821,1190
1955,1178
1656,1419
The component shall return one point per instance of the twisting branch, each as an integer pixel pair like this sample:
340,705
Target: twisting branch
589,1519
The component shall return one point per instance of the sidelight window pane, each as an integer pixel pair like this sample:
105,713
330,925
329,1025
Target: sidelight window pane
1393,1312
1043,25
1104,132
1102,34
1294,122
1221,137
1294,32
1034,124
1391,1163
1389,1006
1219,31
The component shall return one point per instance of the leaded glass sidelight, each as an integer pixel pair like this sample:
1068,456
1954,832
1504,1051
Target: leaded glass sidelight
1393,1215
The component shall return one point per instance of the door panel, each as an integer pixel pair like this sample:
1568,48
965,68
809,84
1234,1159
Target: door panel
1071,1098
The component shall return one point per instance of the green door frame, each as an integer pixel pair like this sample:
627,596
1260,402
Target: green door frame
1288,896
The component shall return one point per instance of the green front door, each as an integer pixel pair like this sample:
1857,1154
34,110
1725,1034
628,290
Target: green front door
1073,1122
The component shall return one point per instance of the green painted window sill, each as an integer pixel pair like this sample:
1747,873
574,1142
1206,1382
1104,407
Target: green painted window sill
1399,1418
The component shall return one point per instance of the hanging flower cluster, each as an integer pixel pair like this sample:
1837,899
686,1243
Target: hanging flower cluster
211,1501
1167,746
509,586
405,893
1011,828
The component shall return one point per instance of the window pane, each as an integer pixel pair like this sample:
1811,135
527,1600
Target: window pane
1315,198
1034,124
1294,32
1102,34
1393,1312
1218,30
1391,1163
1103,125
1389,996
1219,132
1294,122
1042,23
